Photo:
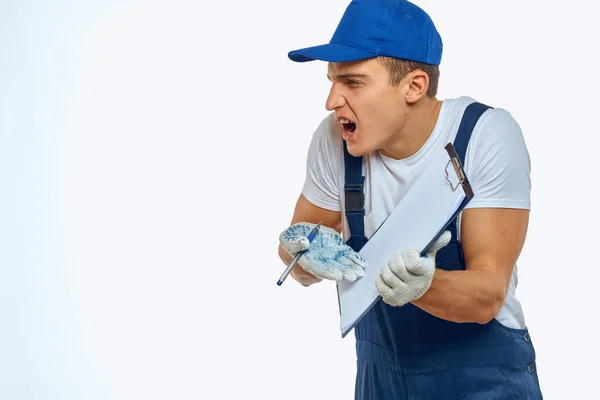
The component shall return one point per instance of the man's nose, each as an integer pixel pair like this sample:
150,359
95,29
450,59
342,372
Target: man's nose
334,100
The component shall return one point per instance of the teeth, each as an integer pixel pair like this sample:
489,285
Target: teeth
344,121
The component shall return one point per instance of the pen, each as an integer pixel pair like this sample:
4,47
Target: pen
289,268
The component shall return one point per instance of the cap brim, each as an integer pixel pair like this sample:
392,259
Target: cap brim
332,52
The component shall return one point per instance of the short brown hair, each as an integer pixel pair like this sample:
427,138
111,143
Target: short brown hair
398,69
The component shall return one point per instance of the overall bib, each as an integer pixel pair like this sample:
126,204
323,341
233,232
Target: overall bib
407,353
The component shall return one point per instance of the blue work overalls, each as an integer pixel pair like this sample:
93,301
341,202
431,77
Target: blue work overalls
407,353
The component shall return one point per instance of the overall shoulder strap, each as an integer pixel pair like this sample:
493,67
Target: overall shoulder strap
469,119
468,122
354,200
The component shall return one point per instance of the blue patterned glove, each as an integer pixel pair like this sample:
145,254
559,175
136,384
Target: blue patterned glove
328,257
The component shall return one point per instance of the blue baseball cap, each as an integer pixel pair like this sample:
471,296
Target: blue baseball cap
371,28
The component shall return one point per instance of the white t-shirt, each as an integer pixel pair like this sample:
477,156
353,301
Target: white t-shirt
497,164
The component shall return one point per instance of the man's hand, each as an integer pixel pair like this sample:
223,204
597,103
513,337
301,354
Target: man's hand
328,256
407,276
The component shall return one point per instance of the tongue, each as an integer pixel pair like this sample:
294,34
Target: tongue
350,127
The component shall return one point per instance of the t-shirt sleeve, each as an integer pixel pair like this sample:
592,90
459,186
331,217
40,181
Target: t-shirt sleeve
497,163
321,185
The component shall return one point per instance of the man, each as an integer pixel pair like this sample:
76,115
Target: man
449,325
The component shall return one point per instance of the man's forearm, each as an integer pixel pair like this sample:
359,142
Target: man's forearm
463,296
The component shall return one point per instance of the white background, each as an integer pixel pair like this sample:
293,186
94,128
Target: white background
152,152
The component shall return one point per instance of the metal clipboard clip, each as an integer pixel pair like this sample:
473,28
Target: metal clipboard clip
459,170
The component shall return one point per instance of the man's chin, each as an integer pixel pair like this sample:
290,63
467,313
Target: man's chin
355,149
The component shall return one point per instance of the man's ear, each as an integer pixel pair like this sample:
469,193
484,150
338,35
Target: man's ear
418,83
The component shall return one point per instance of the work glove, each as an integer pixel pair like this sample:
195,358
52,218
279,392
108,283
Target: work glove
407,276
328,256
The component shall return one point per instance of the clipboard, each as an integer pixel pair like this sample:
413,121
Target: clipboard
434,201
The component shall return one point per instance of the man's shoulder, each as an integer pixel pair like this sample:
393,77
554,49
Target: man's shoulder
498,118
331,125
496,132
329,130
458,103
326,142
495,116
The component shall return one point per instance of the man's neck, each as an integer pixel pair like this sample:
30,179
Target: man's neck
420,122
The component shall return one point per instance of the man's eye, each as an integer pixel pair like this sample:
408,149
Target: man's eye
352,82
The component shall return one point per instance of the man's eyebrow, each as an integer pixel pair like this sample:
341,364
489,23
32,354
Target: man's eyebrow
348,76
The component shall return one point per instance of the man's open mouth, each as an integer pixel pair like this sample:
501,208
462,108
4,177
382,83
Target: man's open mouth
348,125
